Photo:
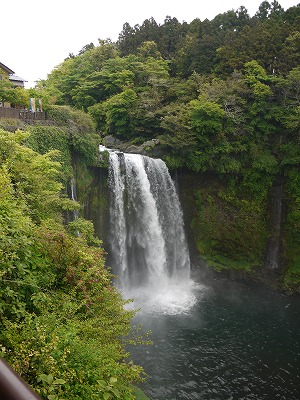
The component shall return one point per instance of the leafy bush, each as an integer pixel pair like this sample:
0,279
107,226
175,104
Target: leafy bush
45,138
63,326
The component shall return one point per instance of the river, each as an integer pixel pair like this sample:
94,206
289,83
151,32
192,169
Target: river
237,341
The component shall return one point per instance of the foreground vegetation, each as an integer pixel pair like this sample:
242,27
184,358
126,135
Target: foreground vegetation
63,325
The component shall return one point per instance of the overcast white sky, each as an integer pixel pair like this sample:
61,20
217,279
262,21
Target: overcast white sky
38,35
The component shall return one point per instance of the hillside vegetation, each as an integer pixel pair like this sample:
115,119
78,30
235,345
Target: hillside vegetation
63,324
220,97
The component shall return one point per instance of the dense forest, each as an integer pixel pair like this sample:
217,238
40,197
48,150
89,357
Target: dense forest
217,97
218,100
220,95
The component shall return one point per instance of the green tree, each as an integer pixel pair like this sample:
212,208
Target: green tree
61,321
206,118
118,113
73,71
15,96
264,10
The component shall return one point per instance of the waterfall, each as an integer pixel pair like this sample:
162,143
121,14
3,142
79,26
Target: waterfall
74,197
273,245
117,219
148,248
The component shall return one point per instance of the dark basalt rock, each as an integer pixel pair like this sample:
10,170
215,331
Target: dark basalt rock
149,148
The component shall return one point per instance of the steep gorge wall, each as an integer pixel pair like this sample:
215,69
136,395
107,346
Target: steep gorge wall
234,231
228,232
227,229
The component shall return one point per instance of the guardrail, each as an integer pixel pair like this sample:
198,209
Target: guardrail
12,386
26,115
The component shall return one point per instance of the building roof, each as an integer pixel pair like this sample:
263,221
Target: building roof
6,69
16,78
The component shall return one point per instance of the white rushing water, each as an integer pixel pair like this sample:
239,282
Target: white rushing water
147,241
74,197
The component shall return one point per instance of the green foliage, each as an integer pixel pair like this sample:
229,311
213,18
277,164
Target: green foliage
61,83
6,91
7,123
206,118
51,386
71,118
46,138
139,394
15,96
61,321
98,113
16,241
255,75
85,229
75,133
222,97
230,227
173,162
255,72
178,135
292,229
118,112
35,176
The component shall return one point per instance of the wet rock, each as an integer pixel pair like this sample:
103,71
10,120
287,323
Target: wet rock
111,141
135,149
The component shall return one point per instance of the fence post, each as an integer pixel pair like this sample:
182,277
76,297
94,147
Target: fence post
12,386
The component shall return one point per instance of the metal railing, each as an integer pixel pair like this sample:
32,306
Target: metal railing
12,386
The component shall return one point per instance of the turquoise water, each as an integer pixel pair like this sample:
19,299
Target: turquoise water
236,341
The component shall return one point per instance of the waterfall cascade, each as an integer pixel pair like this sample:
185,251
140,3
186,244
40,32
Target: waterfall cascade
273,245
148,247
74,197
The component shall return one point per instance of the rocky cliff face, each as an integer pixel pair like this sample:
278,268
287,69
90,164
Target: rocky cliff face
150,148
229,231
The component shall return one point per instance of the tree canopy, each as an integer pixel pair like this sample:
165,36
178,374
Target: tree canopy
220,97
